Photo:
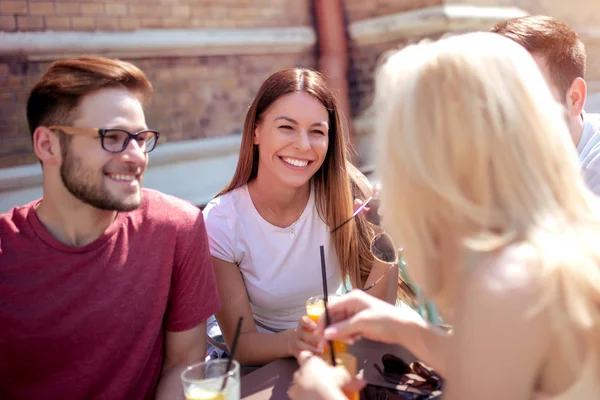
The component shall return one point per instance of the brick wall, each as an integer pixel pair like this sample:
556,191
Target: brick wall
195,96
357,10
119,15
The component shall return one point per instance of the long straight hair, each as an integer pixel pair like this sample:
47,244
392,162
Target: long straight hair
331,182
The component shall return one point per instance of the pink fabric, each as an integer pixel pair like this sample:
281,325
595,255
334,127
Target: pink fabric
89,322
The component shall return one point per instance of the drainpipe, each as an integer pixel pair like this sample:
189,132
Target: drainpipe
333,55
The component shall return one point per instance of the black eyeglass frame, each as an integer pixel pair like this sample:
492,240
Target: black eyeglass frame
73,130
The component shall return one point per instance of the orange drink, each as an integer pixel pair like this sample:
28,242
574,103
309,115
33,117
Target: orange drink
315,307
348,361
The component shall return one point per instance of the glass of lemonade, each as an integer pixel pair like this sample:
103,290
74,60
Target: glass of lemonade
348,361
203,381
315,307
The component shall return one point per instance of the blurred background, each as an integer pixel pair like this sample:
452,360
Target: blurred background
207,58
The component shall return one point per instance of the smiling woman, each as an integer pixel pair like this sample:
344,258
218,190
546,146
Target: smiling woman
290,189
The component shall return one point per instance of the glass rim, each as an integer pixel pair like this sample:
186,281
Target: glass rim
235,368
153,140
322,297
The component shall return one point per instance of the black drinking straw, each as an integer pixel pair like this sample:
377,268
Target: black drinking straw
233,347
325,300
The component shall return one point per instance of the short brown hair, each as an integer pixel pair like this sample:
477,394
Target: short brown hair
558,44
61,88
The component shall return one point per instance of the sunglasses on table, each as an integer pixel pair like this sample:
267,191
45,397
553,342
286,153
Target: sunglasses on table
419,379
114,140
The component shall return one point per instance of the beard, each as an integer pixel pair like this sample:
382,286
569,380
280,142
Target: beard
88,186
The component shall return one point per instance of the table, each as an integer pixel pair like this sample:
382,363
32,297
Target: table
272,381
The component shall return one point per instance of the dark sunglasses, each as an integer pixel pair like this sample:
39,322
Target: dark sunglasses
418,378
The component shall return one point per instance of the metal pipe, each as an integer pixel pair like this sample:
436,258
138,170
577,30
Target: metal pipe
333,54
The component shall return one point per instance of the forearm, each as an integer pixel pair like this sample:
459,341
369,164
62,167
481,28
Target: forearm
258,348
427,342
385,289
169,385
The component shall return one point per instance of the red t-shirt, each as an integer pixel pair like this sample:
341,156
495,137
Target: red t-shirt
89,322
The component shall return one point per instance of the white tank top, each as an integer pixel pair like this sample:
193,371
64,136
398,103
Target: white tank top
281,267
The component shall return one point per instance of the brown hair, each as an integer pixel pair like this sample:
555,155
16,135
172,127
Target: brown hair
60,90
331,182
558,44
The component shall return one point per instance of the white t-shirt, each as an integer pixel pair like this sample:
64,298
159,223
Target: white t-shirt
589,151
281,267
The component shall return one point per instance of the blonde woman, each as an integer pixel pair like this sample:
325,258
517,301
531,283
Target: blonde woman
481,183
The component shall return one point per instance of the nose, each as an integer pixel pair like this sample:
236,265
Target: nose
134,153
302,141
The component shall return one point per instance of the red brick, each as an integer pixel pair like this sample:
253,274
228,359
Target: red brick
41,8
58,23
83,23
180,11
3,69
13,7
174,23
151,23
92,9
116,9
129,23
12,160
107,24
8,23
68,8
21,97
30,23
21,144
144,10
7,99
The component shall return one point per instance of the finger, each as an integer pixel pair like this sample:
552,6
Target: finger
307,323
292,391
343,308
303,346
355,385
309,337
304,356
348,329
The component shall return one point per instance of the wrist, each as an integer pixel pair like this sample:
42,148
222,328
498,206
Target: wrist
288,338
409,327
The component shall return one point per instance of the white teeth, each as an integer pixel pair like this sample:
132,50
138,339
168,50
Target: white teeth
294,162
120,177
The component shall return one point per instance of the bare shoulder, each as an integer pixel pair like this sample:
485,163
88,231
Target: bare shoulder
510,278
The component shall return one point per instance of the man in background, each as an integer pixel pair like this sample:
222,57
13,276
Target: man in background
561,56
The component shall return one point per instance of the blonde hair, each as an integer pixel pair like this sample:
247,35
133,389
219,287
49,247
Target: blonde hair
473,147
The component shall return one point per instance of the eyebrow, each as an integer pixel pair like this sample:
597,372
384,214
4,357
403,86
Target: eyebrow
293,121
126,128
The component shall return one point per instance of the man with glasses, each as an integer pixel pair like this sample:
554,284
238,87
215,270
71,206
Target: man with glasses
105,287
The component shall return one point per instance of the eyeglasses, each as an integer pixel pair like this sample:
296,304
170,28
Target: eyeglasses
115,140
382,246
416,376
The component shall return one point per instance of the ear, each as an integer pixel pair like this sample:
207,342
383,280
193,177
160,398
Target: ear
576,96
46,146
256,135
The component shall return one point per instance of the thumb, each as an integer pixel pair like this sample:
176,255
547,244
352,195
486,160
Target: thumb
344,380
355,385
